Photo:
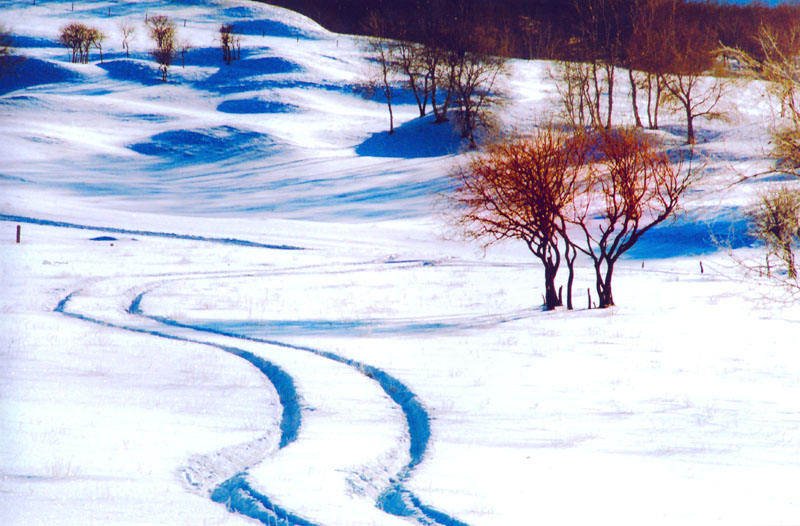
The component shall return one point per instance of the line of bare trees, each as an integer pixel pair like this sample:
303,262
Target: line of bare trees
671,57
457,65
563,194
80,39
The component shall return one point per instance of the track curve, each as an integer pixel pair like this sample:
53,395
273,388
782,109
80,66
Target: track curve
236,493
396,499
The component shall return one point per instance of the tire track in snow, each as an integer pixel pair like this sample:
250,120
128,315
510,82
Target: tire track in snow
396,499
236,493
145,233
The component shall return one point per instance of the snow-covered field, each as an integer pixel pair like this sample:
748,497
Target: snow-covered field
237,300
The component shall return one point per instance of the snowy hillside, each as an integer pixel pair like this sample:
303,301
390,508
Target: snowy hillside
238,300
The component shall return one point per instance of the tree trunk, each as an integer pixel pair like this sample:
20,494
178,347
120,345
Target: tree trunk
597,119
388,91
415,90
605,298
634,101
551,297
788,257
690,139
570,258
650,122
610,71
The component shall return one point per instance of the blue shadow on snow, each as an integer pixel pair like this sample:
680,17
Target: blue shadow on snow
251,106
247,74
132,70
418,138
204,145
33,72
269,28
687,236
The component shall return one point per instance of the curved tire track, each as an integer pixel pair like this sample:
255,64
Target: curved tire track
396,499
236,493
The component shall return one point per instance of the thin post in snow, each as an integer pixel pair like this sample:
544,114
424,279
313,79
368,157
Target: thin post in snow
19,234
701,268
589,297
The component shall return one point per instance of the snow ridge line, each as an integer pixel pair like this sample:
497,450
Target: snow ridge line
236,493
395,500
145,233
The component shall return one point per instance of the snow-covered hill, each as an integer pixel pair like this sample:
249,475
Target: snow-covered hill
238,300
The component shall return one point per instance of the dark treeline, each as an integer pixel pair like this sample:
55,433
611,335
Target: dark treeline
550,29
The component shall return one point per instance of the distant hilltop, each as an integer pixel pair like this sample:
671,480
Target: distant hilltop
545,29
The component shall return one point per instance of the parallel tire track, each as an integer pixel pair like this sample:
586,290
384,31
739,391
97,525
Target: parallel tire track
236,493
396,499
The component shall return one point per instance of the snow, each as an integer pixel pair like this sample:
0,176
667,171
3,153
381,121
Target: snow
238,285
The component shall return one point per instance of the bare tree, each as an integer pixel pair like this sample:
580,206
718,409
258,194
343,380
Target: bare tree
226,40
476,63
628,190
382,53
690,57
579,104
184,46
439,65
475,83
162,31
779,68
410,62
776,222
80,39
73,37
602,26
237,42
640,55
699,96
646,55
127,29
519,189
97,38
